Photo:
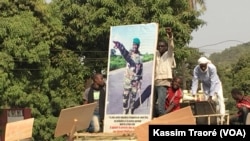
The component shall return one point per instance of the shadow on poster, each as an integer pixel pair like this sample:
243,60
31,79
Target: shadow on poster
130,76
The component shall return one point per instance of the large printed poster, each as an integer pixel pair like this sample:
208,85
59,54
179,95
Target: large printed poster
130,76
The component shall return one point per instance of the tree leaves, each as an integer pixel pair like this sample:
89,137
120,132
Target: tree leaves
48,50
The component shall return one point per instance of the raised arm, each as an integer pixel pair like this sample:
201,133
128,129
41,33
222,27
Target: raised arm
170,38
125,53
170,52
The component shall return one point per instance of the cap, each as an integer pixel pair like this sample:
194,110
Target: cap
136,41
203,60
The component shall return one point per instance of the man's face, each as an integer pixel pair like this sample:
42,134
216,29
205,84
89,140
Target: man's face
162,47
203,67
99,80
236,97
176,83
134,47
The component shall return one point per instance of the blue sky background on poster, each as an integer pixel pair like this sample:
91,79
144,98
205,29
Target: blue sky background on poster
125,35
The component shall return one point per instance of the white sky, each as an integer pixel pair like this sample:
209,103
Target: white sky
228,25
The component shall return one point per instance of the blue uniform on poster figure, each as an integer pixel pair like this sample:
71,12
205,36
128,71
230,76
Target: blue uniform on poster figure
133,74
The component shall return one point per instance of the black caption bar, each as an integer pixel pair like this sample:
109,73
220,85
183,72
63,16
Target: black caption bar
221,132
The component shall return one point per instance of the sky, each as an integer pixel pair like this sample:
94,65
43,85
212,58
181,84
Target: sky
228,25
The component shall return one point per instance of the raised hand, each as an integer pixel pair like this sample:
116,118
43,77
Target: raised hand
210,99
169,32
117,44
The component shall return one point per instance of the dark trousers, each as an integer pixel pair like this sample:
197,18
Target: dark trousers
160,93
242,118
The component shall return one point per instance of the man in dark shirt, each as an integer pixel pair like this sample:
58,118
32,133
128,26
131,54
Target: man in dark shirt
96,93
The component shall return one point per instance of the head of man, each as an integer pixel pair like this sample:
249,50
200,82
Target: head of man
203,61
236,94
176,83
162,46
203,67
98,80
136,45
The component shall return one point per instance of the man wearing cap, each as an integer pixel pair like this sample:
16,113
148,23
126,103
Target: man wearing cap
206,73
133,74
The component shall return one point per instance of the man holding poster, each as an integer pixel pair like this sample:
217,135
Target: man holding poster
133,74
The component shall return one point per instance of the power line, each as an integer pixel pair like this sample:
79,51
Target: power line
221,43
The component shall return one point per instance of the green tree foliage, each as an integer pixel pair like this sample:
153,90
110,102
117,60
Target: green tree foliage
230,62
36,70
242,74
230,55
87,23
48,50
238,76
233,69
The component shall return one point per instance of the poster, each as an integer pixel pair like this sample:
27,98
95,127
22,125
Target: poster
130,76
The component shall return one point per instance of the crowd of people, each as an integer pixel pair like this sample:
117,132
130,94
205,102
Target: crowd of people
167,87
